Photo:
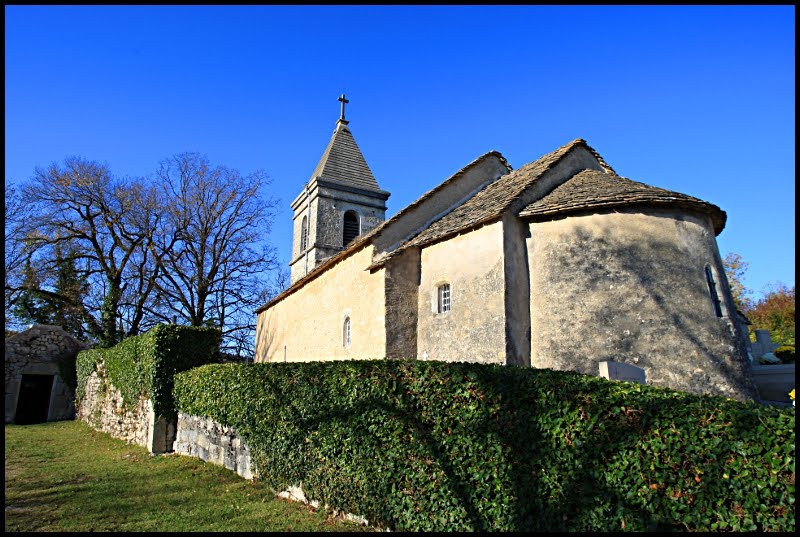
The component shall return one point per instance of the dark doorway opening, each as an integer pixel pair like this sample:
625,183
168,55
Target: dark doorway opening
34,399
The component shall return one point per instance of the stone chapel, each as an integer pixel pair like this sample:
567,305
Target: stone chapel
560,263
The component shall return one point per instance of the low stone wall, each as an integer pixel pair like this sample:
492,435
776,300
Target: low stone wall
774,382
102,408
213,442
219,444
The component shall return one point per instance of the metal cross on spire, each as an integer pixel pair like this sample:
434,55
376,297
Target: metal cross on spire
344,101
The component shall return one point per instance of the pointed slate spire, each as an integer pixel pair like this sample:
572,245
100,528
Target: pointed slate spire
342,160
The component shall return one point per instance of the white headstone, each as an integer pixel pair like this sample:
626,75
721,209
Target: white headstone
619,371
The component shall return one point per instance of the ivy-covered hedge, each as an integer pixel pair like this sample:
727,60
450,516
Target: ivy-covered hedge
435,446
146,364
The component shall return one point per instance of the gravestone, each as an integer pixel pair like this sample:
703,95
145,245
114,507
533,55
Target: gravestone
761,346
620,371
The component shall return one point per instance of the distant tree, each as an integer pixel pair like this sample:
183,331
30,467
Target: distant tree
215,258
775,312
735,268
279,282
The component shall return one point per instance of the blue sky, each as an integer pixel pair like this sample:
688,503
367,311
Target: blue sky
696,99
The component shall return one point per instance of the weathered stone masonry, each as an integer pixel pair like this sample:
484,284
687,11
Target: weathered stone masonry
103,408
38,351
213,442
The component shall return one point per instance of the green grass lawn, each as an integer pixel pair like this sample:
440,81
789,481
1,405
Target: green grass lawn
65,476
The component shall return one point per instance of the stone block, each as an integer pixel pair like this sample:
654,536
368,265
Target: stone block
294,493
229,459
621,371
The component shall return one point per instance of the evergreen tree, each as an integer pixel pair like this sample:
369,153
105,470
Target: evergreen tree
32,306
70,289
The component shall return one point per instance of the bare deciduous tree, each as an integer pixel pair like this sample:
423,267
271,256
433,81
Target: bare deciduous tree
15,213
190,245
215,259
106,223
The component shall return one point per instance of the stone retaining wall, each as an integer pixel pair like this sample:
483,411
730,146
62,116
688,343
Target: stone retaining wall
102,408
774,382
220,444
213,442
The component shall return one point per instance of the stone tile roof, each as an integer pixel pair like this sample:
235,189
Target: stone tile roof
489,203
592,189
343,162
440,186
588,189
365,239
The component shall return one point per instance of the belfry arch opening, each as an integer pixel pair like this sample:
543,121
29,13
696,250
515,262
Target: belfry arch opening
350,229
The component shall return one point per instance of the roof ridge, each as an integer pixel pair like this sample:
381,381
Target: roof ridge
606,166
366,238
546,162
554,156
595,189
441,185
377,229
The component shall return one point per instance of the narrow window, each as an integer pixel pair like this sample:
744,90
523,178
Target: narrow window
443,298
350,228
304,235
346,333
712,288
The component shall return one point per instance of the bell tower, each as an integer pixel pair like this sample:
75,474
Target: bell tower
341,201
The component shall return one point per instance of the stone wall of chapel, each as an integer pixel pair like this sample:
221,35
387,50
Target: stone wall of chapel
307,325
517,292
474,328
297,265
326,220
402,299
631,287
332,204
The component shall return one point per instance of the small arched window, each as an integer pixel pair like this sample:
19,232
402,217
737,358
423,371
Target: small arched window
346,333
304,234
712,289
443,298
350,230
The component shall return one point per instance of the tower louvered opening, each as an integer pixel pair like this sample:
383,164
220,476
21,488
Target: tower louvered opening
304,235
350,229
